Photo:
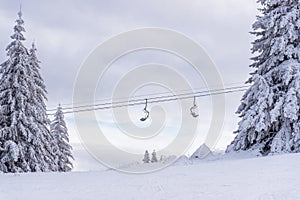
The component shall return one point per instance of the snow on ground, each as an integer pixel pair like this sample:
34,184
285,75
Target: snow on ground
275,177
83,160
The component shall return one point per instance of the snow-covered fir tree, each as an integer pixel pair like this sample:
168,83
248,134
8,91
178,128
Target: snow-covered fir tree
60,132
25,140
146,157
153,158
270,108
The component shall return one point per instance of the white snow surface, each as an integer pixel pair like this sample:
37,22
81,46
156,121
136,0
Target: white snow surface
226,177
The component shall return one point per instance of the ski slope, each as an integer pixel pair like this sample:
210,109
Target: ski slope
276,177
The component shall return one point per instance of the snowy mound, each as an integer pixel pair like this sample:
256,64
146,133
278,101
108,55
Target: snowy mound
182,160
129,165
251,153
202,152
167,159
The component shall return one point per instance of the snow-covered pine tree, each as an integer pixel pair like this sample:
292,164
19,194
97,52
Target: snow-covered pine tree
39,96
60,132
153,158
146,157
26,143
270,108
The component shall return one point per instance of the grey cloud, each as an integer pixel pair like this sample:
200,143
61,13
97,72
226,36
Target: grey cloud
66,31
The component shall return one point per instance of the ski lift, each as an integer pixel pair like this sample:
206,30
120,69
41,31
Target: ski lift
146,113
194,109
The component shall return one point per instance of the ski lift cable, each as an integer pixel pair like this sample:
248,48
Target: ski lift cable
88,103
150,98
153,101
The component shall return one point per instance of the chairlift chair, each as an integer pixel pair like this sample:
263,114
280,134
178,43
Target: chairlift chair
194,109
147,113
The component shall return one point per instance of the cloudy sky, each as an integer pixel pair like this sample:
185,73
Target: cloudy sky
66,32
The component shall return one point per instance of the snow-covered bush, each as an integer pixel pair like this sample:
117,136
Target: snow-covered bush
153,158
59,130
146,157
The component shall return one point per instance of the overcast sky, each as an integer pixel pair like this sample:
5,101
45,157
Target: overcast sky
66,32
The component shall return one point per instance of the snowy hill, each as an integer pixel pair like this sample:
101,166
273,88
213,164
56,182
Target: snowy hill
274,177
202,152
182,160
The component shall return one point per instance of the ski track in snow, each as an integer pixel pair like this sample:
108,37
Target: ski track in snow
267,178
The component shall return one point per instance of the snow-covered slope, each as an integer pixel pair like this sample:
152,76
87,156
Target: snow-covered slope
274,177
202,152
